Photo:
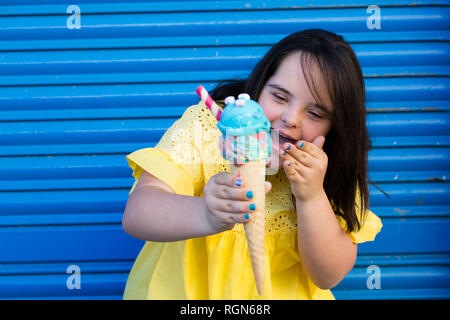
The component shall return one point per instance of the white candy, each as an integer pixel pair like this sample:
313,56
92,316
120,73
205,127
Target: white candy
244,96
240,103
229,99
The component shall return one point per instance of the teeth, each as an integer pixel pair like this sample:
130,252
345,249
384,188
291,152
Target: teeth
282,136
287,138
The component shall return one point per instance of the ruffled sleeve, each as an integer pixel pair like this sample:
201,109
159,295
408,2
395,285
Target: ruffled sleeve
371,226
178,158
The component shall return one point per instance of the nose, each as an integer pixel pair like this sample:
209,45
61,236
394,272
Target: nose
290,117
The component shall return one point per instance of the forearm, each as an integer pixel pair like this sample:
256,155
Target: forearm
327,253
153,214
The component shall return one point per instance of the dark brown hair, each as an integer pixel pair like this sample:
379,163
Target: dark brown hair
347,143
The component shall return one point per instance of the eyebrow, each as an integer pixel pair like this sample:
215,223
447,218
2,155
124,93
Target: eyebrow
275,86
313,104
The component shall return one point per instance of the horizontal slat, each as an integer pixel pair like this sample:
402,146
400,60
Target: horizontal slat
115,166
25,7
363,261
429,271
113,200
406,277
67,243
74,243
177,111
80,149
225,23
402,260
10,269
392,294
194,76
85,218
407,106
97,284
85,97
412,235
164,65
408,124
409,159
151,130
415,282
217,41
111,136
409,194
112,171
84,207
128,147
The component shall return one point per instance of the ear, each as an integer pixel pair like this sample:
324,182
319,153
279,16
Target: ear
319,141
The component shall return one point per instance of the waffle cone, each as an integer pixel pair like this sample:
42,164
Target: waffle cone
254,175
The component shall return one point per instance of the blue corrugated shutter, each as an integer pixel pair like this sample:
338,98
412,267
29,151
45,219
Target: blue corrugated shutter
74,102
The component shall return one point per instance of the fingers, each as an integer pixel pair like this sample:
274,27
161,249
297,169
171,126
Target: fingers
233,206
292,167
313,148
229,201
232,218
229,180
232,187
293,154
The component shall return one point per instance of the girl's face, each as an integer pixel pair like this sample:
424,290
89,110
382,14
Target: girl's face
290,107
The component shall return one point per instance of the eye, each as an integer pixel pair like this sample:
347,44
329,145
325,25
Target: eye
278,97
315,114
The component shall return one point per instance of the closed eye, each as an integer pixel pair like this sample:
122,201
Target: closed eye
279,97
316,115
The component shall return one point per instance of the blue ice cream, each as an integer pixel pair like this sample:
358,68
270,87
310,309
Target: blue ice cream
245,131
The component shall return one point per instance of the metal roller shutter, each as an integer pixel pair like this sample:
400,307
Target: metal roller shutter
75,101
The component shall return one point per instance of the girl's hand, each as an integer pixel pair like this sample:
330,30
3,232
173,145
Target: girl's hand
228,201
305,165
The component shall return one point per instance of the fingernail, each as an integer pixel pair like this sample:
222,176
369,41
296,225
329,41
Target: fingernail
289,164
284,153
249,194
288,147
238,182
252,206
302,144
247,216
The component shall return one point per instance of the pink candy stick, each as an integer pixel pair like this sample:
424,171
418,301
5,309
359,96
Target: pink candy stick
212,106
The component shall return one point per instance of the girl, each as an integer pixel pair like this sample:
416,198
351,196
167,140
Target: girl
191,210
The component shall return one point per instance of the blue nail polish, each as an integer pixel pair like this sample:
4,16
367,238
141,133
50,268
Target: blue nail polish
249,194
284,153
301,145
252,206
289,147
238,182
247,216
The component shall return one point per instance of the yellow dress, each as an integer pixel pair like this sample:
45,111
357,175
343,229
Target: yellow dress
218,266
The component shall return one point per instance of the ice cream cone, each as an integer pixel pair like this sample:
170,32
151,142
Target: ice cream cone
246,144
253,173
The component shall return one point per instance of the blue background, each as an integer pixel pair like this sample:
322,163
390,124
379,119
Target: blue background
75,102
